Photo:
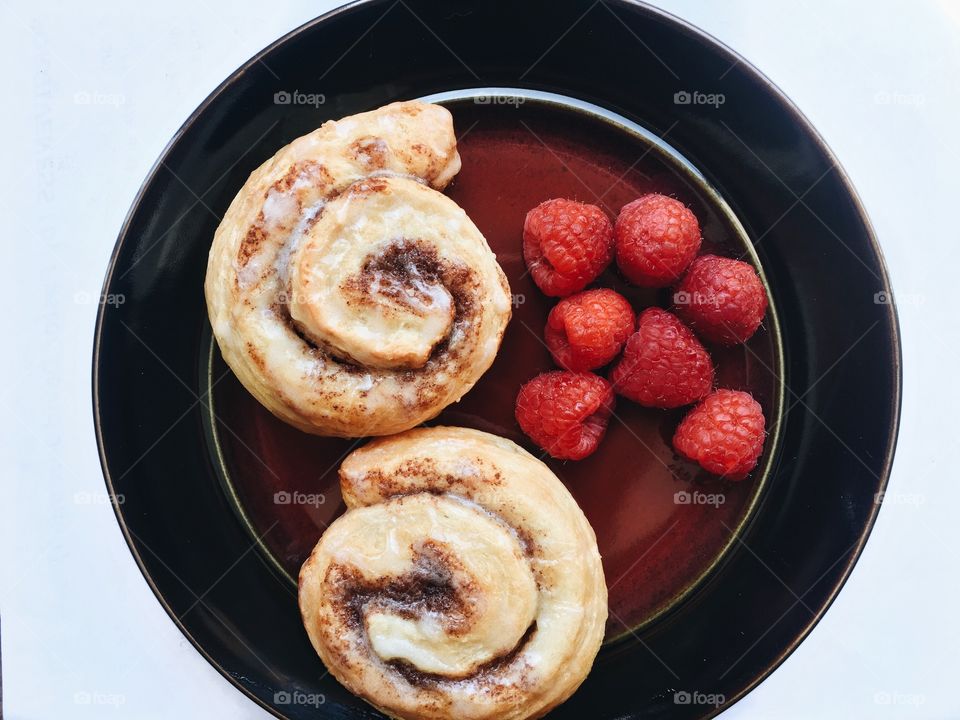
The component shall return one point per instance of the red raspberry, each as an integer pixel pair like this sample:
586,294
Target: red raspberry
588,330
565,413
724,434
566,245
656,238
722,299
663,364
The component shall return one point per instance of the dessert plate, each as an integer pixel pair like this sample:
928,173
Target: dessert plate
711,584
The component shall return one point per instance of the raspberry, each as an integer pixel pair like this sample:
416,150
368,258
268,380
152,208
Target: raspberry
724,434
656,238
722,299
566,245
565,413
588,330
663,364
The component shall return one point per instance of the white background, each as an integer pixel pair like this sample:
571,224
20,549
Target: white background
879,80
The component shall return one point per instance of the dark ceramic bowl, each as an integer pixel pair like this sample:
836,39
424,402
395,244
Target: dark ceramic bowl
603,101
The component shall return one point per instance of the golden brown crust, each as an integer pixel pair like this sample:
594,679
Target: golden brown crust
346,293
463,581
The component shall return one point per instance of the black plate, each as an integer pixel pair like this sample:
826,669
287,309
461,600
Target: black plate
839,334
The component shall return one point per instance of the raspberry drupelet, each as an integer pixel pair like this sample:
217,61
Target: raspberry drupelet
565,413
586,331
724,434
566,245
656,238
722,299
663,364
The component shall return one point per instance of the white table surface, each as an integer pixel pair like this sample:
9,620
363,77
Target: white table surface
83,636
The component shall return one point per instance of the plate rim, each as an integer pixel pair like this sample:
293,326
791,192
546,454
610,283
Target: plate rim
689,29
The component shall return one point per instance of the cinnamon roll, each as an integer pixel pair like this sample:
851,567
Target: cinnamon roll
346,292
462,582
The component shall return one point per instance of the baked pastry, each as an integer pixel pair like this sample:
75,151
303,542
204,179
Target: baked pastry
347,294
462,582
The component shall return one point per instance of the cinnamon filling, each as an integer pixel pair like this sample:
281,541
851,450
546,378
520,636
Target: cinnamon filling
429,587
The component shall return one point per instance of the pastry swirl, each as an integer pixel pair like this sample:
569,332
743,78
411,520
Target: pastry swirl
462,582
348,294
